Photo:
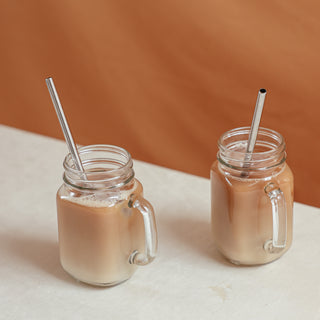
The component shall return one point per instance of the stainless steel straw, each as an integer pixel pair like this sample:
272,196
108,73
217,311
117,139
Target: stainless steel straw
64,126
254,128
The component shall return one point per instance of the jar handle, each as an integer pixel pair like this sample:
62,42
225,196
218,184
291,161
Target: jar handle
150,230
279,218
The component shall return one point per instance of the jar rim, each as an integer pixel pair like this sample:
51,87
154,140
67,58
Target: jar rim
246,130
120,175
230,155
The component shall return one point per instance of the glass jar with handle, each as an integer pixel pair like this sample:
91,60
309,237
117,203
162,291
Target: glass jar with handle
251,201
106,227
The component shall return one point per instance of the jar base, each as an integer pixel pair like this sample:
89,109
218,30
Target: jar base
107,284
97,284
252,259
250,264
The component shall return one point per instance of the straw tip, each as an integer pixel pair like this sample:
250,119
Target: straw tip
263,90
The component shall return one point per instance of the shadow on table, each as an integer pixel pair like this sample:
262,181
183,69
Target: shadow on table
193,233
39,252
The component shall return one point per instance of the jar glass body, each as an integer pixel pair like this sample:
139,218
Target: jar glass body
99,227
252,202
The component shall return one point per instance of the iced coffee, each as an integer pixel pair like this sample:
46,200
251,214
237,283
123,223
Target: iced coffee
102,218
251,205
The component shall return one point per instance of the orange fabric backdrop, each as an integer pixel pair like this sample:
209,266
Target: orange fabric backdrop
166,79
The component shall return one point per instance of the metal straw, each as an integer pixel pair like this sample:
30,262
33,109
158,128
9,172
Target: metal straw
254,128
64,126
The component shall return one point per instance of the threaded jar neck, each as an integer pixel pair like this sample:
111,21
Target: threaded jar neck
105,166
269,149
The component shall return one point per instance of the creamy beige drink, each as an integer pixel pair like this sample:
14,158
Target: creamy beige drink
97,237
242,215
252,202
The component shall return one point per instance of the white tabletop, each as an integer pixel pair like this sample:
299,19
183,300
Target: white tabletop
188,279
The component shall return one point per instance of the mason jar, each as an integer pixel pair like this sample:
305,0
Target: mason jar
106,228
251,198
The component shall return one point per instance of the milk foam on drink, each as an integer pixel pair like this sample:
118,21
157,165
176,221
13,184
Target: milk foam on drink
97,234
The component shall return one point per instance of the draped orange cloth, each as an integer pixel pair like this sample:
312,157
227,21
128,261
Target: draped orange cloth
165,79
